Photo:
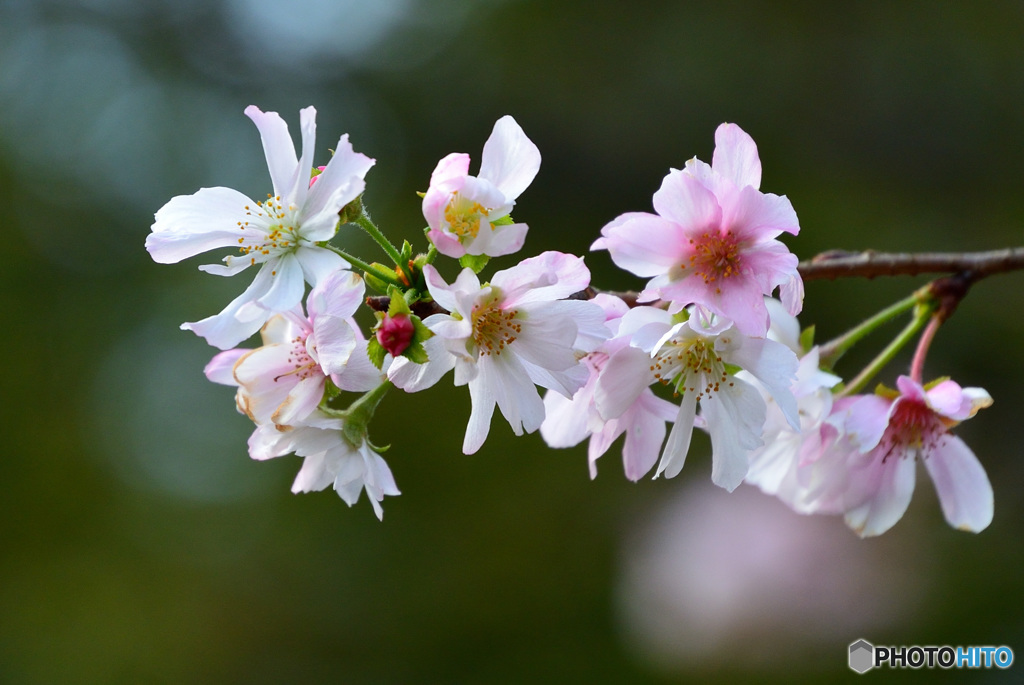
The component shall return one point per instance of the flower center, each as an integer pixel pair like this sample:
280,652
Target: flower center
302,364
913,429
464,216
715,257
275,224
494,328
691,366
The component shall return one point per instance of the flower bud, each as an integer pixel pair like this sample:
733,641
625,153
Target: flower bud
395,333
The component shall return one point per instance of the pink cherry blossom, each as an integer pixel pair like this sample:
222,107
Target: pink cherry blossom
280,233
462,210
568,422
283,381
713,241
885,437
503,337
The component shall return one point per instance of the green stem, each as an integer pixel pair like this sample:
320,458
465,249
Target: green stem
367,225
383,275
358,415
836,348
921,316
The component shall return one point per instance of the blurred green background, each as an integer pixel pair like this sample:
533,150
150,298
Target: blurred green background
138,543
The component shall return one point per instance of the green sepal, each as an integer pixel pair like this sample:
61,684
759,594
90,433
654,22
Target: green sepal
398,304
682,316
807,339
406,253
474,262
503,221
376,448
732,369
375,351
378,284
352,211
931,384
416,353
888,393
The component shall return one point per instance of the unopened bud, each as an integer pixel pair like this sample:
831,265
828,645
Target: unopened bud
395,333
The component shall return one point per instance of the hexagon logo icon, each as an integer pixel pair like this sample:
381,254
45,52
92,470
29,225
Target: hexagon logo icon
862,656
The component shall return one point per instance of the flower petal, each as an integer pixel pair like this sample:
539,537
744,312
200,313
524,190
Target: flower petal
510,160
736,157
278,148
892,496
963,487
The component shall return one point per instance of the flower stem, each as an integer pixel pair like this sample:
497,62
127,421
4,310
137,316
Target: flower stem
917,365
382,274
921,315
834,349
367,225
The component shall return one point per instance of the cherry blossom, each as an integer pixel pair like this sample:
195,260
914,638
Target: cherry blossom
503,337
465,212
884,437
713,240
330,460
283,381
698,359
281,233
568,422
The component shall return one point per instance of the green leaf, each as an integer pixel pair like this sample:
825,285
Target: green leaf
474,262
375,351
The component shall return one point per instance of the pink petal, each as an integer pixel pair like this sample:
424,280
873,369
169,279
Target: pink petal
890,501
963,487
736,156
548,276
643,244
684,201
221,367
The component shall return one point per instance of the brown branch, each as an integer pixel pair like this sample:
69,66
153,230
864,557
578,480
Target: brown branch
869,264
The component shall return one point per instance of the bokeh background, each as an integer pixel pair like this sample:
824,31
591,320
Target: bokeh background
138,543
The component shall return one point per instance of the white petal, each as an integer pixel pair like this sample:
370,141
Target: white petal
510,160
565,421
964,489
278,148
673,457
191,224
890,501
225,330
735,416
287,284
413,377
318,263
479,426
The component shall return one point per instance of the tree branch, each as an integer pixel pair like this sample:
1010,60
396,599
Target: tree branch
869,264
